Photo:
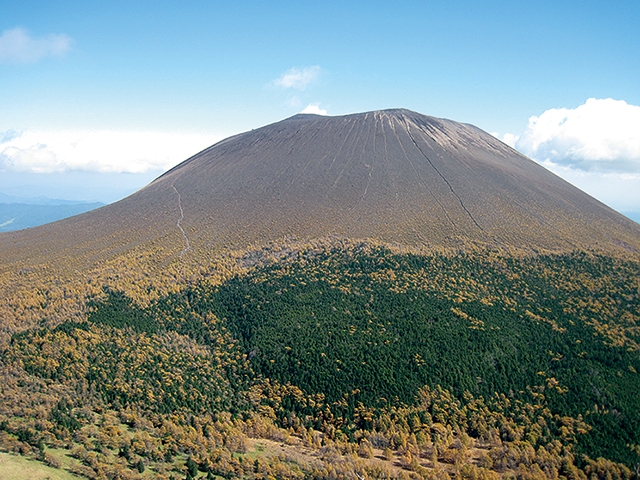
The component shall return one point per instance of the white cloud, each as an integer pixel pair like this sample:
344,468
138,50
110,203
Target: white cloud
17,46
315,109
99,151
621,191
600,135
298,78
510,139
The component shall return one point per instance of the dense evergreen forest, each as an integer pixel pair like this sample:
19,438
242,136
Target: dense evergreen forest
534,359
333,324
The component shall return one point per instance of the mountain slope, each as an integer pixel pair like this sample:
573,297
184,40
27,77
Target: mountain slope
394,175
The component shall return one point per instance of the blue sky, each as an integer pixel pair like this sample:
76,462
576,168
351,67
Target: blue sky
98,98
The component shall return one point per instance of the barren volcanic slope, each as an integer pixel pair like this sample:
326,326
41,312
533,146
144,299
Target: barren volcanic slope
393,175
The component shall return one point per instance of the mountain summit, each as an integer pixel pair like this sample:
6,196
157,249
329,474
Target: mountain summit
393,175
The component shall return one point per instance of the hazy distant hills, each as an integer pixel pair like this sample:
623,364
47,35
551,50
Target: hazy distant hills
17,213
394,176
40,200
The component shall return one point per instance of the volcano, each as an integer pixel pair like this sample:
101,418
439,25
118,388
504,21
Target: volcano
363,278
393,176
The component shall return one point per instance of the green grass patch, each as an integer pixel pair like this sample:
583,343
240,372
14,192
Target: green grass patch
13,467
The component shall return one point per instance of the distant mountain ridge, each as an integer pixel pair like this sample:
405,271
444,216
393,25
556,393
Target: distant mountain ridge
41,200
17,216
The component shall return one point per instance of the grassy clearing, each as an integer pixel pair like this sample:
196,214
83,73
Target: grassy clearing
13,467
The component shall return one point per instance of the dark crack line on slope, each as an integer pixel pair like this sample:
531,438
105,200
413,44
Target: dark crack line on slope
442,176
424,184
184,234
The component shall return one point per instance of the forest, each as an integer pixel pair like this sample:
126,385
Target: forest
358,359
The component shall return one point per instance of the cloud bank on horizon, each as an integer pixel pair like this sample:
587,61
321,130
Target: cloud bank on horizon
97,151
18,46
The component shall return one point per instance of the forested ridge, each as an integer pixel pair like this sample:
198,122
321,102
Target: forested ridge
472,365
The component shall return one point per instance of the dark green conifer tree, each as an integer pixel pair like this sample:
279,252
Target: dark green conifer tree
192,467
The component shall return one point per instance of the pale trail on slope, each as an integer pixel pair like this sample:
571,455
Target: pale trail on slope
184,234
